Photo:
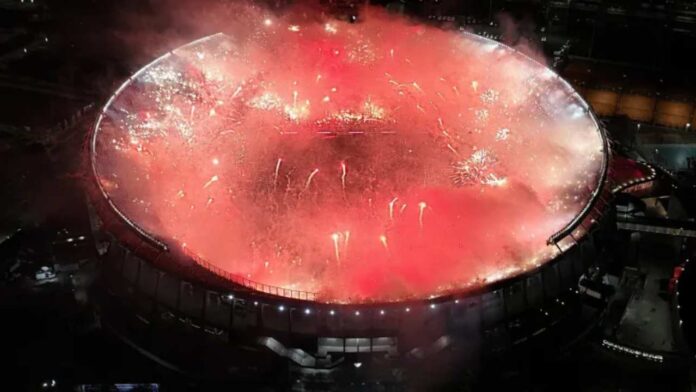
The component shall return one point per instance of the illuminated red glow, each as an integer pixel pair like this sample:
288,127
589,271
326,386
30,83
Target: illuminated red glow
372,162
626,169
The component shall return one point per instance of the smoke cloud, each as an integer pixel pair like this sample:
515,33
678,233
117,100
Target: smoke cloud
374,161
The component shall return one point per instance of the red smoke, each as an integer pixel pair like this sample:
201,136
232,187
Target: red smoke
374,161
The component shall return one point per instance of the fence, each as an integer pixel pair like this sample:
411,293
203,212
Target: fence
242,281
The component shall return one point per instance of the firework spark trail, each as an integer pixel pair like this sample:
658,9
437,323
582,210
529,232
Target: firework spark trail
391,208
310,177
237,91
383,241
210,182
343,176
275,173
421,208
417,87
335,237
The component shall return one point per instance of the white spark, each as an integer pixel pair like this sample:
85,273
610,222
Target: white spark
275,173
343,176
383,240
330,28
309,179
391,208
502,134
335,237
213,179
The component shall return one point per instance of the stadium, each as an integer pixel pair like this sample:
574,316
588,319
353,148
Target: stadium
403,216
